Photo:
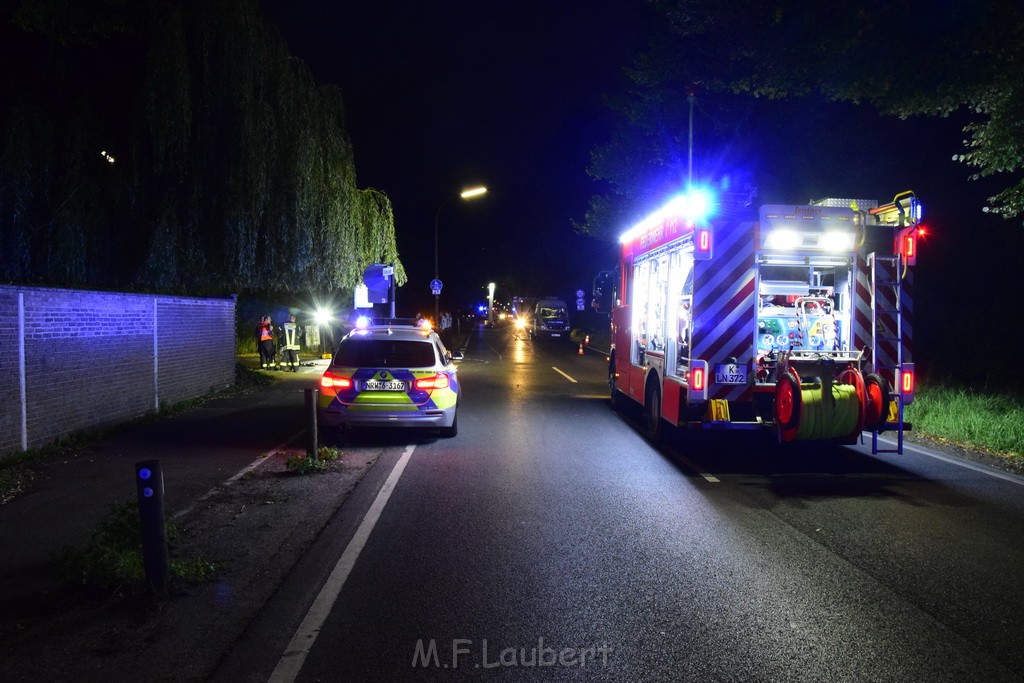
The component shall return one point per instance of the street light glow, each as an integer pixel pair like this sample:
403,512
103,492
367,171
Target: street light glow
473,192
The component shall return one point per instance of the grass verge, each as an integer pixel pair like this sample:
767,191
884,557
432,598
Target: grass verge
112,560
303,464
990,422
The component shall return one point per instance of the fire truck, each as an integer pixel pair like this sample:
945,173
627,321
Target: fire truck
799,321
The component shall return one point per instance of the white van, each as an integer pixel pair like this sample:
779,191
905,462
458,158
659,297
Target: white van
550,319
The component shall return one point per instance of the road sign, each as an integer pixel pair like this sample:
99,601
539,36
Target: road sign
579,294
580,304
388,271
435,284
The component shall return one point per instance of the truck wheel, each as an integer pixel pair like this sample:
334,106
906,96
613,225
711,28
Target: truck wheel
655,425
614,392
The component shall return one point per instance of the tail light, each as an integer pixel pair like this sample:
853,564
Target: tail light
438,381
907,381
702,243
330,384
906,244
697,378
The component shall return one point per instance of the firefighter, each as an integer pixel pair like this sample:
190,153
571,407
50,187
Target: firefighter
265,343
292,336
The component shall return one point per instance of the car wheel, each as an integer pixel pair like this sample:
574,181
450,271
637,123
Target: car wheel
449,432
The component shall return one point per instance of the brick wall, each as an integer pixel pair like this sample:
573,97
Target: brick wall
73,360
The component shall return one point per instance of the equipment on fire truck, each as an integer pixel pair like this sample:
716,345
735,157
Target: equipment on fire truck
799,321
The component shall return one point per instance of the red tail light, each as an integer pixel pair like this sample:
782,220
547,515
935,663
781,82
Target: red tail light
907,381
438,381
331,383
703,243
697,379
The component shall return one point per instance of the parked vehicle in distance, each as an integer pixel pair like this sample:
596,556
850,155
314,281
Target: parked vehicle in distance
390,374
550,319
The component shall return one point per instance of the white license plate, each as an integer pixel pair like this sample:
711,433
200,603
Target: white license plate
556,334
382,385
730,373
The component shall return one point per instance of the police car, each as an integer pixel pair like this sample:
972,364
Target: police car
390,374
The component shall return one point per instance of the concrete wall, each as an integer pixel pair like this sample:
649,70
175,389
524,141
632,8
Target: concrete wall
73,360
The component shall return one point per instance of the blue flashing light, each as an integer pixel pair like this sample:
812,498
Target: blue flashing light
362,322
694,205
145,473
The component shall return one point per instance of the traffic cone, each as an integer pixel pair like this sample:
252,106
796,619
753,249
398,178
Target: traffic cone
580,352
586,340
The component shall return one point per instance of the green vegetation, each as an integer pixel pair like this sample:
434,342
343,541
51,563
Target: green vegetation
990,422
748,60
113,557
302,464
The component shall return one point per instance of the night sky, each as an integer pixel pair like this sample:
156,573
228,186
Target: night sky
511,96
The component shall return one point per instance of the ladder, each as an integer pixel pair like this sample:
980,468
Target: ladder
887,342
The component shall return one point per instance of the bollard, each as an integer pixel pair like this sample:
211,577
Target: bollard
312,447
149,485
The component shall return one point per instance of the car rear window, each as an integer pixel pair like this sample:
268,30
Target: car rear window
390,353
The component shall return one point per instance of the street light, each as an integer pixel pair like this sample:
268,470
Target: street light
465,194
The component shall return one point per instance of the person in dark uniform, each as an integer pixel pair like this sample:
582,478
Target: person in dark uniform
265,343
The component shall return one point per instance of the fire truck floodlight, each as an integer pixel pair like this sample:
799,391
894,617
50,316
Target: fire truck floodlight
783,239
837,241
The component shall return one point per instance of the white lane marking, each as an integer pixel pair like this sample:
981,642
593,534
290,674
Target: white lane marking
564,375
693,466
241,473
1005,476
291,661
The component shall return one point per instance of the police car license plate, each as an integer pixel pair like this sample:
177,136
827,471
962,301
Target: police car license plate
384,385
730,373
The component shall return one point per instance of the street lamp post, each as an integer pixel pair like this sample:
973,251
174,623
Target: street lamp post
490,304
466,194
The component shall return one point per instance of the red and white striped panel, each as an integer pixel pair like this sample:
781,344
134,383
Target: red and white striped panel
725,308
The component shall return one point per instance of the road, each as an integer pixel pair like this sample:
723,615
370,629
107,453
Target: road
550,541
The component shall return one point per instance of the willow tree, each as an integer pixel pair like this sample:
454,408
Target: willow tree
224,165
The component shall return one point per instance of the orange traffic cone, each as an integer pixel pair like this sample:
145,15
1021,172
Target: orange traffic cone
586,340
580,352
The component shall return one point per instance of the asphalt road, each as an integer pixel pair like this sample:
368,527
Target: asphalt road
550,541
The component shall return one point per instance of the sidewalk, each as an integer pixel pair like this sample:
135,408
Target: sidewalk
252,529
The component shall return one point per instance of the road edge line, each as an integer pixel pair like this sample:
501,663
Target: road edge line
290,664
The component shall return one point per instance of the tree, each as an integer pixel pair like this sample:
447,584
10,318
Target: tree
224,166
904,57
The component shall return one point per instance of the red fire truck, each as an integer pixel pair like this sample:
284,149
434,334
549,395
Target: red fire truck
799,321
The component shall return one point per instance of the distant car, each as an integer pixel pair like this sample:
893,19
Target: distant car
390,375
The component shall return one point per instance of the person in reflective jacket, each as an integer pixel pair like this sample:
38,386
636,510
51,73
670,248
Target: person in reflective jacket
292,336
265,343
